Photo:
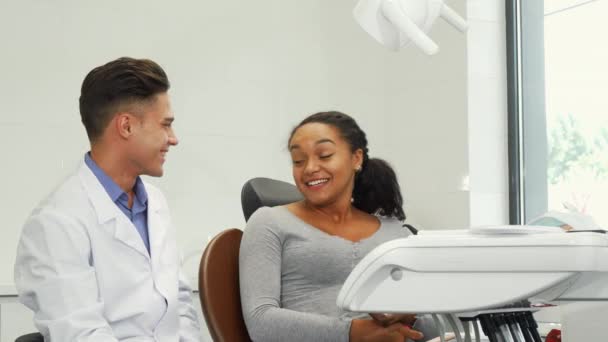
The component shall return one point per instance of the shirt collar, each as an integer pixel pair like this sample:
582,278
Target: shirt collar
113,190
140,192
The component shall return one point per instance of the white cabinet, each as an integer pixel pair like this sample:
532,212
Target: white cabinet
15,319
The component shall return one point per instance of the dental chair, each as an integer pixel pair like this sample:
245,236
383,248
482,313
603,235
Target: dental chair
218,283
219,267
266,192
33,337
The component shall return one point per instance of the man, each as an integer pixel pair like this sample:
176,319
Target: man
97,260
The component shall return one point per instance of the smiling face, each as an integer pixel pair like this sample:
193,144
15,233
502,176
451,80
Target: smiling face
323,164
152,136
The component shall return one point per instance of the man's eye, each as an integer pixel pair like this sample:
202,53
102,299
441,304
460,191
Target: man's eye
297,162
327,156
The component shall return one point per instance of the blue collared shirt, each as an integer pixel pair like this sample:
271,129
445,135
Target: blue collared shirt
138,214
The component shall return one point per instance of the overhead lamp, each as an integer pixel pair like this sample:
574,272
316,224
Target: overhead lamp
397,23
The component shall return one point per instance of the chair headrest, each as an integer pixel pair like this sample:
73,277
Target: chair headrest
266,192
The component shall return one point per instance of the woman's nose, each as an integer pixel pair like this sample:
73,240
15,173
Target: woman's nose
311,166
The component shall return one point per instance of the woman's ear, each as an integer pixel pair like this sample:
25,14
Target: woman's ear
357,159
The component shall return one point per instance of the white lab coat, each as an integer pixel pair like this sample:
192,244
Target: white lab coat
84,270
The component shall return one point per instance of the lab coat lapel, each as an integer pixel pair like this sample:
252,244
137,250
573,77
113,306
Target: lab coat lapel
157,231
156,228
108,215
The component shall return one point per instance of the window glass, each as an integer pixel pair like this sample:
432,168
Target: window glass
576,95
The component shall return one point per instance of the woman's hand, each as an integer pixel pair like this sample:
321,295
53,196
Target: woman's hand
366,330
388,319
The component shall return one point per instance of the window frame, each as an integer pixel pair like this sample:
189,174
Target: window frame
526,122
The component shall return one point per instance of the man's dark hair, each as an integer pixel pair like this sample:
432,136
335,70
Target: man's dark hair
110,87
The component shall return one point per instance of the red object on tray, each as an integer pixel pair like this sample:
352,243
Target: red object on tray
554,335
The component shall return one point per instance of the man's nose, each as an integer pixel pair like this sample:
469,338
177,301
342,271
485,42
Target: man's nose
173,141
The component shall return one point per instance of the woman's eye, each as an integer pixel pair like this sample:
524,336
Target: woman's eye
326,156
297,162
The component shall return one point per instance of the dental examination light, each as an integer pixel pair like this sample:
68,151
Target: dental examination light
396,23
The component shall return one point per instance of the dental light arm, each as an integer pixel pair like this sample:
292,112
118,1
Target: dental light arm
452,18
396,23
396,16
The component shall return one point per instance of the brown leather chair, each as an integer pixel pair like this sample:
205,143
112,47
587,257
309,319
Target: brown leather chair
218,276
218,283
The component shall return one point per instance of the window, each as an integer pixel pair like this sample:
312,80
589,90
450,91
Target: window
558,119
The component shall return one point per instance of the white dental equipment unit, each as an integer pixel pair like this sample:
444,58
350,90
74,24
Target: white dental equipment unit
464,273
397,23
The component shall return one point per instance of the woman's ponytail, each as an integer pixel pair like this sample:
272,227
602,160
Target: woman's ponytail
377,190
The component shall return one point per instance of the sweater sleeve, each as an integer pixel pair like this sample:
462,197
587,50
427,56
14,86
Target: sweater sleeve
260,264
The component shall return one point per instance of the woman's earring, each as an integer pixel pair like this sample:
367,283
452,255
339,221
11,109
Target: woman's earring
358,168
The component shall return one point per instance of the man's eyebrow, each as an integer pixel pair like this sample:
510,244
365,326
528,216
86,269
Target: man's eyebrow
169,120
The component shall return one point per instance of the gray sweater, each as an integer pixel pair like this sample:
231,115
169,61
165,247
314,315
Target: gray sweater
291,273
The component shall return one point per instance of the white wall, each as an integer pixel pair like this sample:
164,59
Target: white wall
448,131
243,74
428,131
487,113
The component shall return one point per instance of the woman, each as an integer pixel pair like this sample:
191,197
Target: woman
295,258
